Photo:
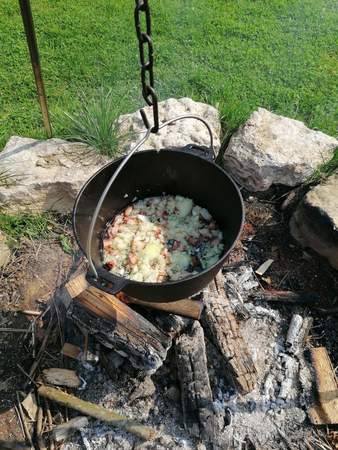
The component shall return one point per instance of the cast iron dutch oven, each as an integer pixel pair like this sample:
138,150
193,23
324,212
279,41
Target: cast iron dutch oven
150,173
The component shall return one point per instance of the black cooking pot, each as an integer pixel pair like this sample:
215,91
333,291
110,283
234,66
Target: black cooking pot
150,173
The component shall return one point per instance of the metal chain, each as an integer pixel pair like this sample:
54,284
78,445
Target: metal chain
147,61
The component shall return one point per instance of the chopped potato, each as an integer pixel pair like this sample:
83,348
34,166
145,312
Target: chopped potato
161,239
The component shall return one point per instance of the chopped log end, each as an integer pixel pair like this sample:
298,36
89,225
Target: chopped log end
120,328
325,410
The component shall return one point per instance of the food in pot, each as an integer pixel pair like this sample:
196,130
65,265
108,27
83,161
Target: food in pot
161,239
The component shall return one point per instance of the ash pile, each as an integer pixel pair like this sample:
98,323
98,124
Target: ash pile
236,379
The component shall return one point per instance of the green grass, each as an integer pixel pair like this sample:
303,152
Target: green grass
234,54
325,170
35,226
95,122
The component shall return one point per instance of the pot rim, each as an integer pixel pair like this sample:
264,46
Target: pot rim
167,283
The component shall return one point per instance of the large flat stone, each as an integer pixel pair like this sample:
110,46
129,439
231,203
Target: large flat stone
270,149
315,222
44,175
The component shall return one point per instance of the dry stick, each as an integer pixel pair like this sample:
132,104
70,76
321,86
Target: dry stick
96,411
40,441
23,420
20,421
34,339
13,330
36,363
39,421
25,373
29,312
50,421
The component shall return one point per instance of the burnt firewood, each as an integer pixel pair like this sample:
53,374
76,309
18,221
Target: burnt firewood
198,414
170,324
187,307
286,297
219,319
118,327
67,429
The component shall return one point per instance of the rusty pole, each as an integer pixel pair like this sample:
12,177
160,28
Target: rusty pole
27,18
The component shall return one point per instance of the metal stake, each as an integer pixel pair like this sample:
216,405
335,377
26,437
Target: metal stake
27,18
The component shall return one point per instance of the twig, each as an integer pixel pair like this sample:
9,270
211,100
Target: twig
50,423
13,330
40,440
25,373
96,411
36,363
39,421
26,430
20,421
34,339
29,312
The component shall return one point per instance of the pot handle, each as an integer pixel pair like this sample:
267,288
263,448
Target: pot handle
92,269
111,285
192,116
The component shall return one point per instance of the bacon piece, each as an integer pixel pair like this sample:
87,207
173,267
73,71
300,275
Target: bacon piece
113,230
128,210
110,264
132,258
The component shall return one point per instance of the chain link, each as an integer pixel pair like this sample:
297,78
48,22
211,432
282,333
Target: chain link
147,61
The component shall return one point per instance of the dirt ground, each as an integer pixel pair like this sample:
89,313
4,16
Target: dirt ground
38,268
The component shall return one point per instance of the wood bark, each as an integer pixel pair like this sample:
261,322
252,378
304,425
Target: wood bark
186,307
325,410
218,317
118,327
196,396
96,411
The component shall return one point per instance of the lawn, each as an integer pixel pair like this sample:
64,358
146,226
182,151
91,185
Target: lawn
234,54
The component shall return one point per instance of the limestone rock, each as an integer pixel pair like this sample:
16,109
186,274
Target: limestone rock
270,149
182,133
315,222
5,252
45,175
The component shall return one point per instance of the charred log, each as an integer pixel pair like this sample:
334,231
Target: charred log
199,416
218,317
118,327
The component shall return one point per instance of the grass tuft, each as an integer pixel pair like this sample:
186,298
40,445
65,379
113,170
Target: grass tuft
325,170
95,122
18,227
29,226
